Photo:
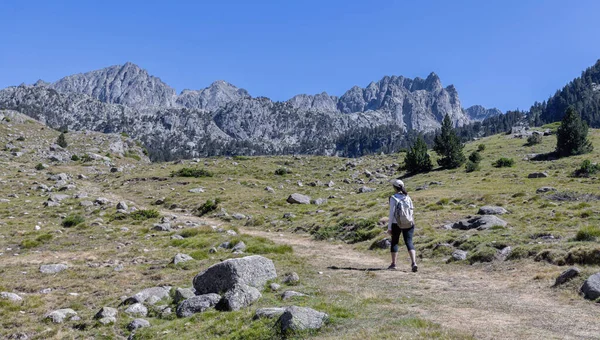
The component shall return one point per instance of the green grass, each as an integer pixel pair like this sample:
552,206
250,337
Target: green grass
588,233
73,220
191,172
144,214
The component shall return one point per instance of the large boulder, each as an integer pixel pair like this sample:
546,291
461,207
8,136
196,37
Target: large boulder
253,271
149,295
298,199
567,275
197,304
137,309
591,287
491,210
238,297
182,294
301,318
481,222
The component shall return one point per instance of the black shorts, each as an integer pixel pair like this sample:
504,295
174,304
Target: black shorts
407,235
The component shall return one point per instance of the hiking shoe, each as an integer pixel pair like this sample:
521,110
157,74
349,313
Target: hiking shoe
392,267
415,267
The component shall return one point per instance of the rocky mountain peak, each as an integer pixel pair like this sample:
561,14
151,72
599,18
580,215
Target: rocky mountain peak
479,113
218,94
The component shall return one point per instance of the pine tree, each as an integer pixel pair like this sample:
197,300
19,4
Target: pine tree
448,146
62,141
571,136
417,159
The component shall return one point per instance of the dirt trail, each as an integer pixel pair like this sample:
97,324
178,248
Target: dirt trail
485,301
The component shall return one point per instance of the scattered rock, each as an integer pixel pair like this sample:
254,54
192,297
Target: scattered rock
238,216
58,197
138,323
504,253
137,309
10,297
60,315
567,275
162,227
481,222
274,286
288,215
382,244
298,199
145,294
196,190
537,175
122,206
101,201
239,247
365,190
301,318
176,237
291,278
106,312
180,258
115,169
543,190
268,313
183,294
269,189
197,304
288,294
254,271
319,201
591,287
237,297
491,210
107,320
459,255
52,268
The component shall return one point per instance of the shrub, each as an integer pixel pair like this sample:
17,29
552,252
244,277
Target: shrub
482,253
504,162
27,244
481,147
587,233
571,136
75,158
471,166
144,214
191,172
282,171
586,169
417,159
72,220
208,206
534,139
62,141
40,167
475,157
86,158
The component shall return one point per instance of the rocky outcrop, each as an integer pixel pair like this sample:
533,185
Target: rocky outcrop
478,113
253,271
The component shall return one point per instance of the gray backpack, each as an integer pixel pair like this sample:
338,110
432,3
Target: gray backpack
403,213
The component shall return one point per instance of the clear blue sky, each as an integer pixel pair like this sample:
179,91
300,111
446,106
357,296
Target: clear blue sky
503,54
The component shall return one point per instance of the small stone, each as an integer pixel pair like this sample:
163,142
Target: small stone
268,313
301,318
137,309
274,286
60,315
197,304
138,323
459,255
10,297
291,278
180,258
491,210
298,199
122,206
365,190
567,275
176,237
105,312
239,247
288,294
537,175
196,190
183,294
238,216
107,320
162,227
543,190
52,268
101,201
269,189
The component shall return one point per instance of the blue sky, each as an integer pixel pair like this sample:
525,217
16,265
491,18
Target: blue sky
503,54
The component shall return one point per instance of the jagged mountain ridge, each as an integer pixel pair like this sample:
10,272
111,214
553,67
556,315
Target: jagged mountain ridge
224,119
478,113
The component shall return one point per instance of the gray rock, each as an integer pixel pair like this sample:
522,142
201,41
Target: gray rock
537,175
543,190
138,323
382,244
58,197
238,216
481,222
274,286
567,275
51,204
288,294
296,319
459,255
492,210
225,245
183,294
10,297
52,268
60,315
269,189
253,271
180,258
239,247
86,203
116,169
197,304
106,312
291,278
176,237
145,294
108,320
101,201
504,253
268,313
162,227
196,190
591,287
319,201
237,297
298,199
363,190
288,215
122,206
137,309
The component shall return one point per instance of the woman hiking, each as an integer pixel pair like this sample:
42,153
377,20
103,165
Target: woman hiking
401,222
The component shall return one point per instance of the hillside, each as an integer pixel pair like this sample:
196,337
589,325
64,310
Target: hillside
111,255
225,120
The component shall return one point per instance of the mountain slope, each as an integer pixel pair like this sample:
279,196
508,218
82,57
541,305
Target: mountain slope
478,113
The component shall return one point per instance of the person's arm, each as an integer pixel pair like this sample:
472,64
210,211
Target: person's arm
392,208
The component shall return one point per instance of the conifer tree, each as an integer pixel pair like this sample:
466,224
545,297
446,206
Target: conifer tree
448,146
571,136
62,141
417,159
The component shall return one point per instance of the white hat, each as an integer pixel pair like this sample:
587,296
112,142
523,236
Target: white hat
398,183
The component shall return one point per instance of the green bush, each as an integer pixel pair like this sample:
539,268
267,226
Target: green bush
534,139
587,233
504,162
471,166
72,220
144,214
208,206
86,158
586,169
282,171
62,141
28,244
417,159
75,158
191,172
475,157
39,167
481,147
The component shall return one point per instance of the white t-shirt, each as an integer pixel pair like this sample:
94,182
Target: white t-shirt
393,202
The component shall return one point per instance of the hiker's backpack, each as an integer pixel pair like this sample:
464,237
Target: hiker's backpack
403,213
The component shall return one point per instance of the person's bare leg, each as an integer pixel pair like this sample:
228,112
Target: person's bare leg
394,257
413,256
